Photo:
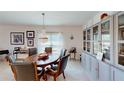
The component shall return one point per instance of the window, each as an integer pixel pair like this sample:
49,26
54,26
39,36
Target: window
55,40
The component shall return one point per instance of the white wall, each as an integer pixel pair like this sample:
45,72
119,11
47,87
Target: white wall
67,32
76,31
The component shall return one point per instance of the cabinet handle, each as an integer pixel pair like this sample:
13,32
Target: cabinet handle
98,70
90,66
113,75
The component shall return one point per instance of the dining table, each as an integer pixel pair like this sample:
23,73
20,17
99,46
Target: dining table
51,58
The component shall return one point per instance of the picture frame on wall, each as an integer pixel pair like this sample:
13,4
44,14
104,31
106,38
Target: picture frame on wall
30,34
17,38
30,42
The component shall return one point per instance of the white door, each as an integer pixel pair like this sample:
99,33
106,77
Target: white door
83,60
104,71
117,74
94,68
87,63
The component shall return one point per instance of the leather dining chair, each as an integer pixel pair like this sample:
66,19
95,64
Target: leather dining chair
55,72
26,71
63,52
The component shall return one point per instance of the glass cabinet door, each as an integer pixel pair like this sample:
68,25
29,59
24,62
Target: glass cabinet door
84,35
95,33
88,47
121,53
105,31
84,46
88,34
95,48
120,42
121,27
105,49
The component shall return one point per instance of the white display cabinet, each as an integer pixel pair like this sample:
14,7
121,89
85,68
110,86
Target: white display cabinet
119,35
107,37
99,38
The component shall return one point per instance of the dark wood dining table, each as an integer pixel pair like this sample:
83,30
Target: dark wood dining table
52,58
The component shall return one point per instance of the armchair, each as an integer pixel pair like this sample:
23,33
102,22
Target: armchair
58,70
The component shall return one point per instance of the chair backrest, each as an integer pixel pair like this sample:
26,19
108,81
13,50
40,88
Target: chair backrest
62,64
25,71
32,51
72,50
63,52
48,49
17,48
10,58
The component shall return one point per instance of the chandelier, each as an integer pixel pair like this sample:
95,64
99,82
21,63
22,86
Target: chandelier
43,36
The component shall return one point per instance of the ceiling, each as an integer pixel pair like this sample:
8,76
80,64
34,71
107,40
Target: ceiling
51,17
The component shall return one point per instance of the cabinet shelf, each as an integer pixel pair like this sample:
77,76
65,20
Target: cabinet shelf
121,27
105,32
122,55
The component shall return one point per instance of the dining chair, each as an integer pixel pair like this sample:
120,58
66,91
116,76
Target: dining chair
63,52
48,50
12,61
26,71
55,72
10,58
32,51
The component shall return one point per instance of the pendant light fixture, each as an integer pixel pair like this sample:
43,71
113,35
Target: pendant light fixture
43,36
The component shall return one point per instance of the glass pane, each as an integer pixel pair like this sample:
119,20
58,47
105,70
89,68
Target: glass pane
95,33
105,30
95,48
106,50
121,27
88,34
84,46
88,46
84,35
121,54
121,20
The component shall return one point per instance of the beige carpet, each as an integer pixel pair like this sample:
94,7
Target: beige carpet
73,72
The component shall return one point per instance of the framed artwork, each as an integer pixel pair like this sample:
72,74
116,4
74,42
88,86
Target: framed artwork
30,42
30,34
17,38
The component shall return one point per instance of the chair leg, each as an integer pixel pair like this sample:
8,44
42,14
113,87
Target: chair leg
54,78
63,74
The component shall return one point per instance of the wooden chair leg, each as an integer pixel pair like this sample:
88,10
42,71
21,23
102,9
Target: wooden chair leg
54,78
63,75
44,77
